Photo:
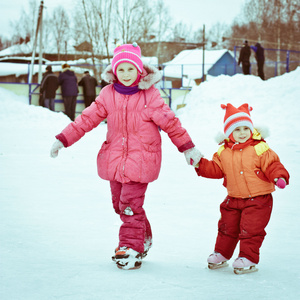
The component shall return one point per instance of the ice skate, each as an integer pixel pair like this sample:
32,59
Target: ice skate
243,265
127,258
216,261
147,246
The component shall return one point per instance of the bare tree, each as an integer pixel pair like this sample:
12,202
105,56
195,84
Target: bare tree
272,21
104,10
24,28
147,19
257,13
215,35
60,22
128,13
93,25
182,33
163,21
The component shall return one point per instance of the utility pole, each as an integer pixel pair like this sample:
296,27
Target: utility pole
41,44
203,54
35,41
278,4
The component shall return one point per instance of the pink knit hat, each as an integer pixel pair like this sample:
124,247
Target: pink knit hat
128,53
235,117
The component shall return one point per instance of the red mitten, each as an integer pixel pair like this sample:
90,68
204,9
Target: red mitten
281,183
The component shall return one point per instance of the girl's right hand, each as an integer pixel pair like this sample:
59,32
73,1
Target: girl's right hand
193,156
55,148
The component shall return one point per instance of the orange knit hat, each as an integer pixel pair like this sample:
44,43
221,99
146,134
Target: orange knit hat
235,117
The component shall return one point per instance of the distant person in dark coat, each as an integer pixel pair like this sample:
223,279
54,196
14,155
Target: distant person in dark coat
245,58
89,84
48,88
69,89
260,58
103,83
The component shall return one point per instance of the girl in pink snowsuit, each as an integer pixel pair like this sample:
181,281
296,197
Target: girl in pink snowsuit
130,157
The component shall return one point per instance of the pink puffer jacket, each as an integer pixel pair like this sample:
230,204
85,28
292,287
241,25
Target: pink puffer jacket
132,150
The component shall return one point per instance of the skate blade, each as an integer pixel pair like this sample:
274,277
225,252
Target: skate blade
217,266
128,266
240,271
140,256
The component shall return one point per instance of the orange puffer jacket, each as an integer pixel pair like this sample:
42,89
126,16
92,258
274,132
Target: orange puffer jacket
248,169
132,150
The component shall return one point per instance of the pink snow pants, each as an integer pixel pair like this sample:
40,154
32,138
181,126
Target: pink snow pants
136,227
244,221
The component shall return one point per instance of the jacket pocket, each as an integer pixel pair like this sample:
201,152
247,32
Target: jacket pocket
261,175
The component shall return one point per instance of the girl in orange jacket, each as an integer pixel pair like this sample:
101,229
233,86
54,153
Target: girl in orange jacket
250,170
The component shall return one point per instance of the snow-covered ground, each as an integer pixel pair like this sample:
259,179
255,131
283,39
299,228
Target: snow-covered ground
58,230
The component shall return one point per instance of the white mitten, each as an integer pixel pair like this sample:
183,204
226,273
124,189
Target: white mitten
55,148
193,156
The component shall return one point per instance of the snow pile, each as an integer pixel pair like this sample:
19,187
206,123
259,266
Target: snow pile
58,229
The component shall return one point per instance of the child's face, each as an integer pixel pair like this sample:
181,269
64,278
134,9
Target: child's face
241,134
127,73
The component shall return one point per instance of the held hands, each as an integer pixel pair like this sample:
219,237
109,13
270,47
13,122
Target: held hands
280,182
193,156
55,148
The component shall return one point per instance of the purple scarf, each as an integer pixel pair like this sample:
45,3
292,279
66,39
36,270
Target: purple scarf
126,90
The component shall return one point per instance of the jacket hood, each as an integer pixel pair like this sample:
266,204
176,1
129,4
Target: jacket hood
259,133
153,76
68,71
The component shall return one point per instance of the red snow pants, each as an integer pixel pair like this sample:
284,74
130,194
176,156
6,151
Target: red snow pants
244,221
128,200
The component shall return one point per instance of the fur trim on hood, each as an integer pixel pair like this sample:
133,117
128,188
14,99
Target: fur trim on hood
153,76
259,132
67,69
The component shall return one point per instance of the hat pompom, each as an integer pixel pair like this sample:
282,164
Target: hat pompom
223,106
263,131
220,137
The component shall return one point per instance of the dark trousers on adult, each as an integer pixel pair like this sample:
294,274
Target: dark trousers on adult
70,106
49,103
88,100
244,221
128,199
246,67
260,69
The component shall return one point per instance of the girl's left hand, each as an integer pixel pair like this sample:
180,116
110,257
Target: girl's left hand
280,182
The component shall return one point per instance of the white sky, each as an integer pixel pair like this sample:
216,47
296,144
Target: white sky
194,12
